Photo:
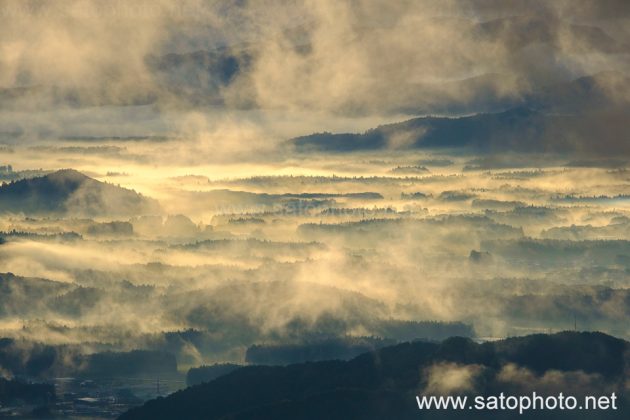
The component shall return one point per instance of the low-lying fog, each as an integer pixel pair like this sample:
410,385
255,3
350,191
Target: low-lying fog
307,246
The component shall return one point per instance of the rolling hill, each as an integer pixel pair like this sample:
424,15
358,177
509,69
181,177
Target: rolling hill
520,129
384,383
69,192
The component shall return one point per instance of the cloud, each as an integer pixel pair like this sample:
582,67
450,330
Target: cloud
554,381
352,57
451,378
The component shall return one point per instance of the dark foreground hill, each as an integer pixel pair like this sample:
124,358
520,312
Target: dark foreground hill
12,391
383,384
33,360
69,192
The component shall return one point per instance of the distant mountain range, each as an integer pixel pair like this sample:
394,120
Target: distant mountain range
383,383
69,192
518,129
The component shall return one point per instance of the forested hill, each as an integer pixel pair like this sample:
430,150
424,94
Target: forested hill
69,192
384,383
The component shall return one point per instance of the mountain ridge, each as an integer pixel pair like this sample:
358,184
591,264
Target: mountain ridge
71,192
521,128
383,383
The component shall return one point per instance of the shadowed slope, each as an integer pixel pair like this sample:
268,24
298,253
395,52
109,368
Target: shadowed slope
70,192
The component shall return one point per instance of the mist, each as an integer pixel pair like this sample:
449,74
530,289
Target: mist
209,184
